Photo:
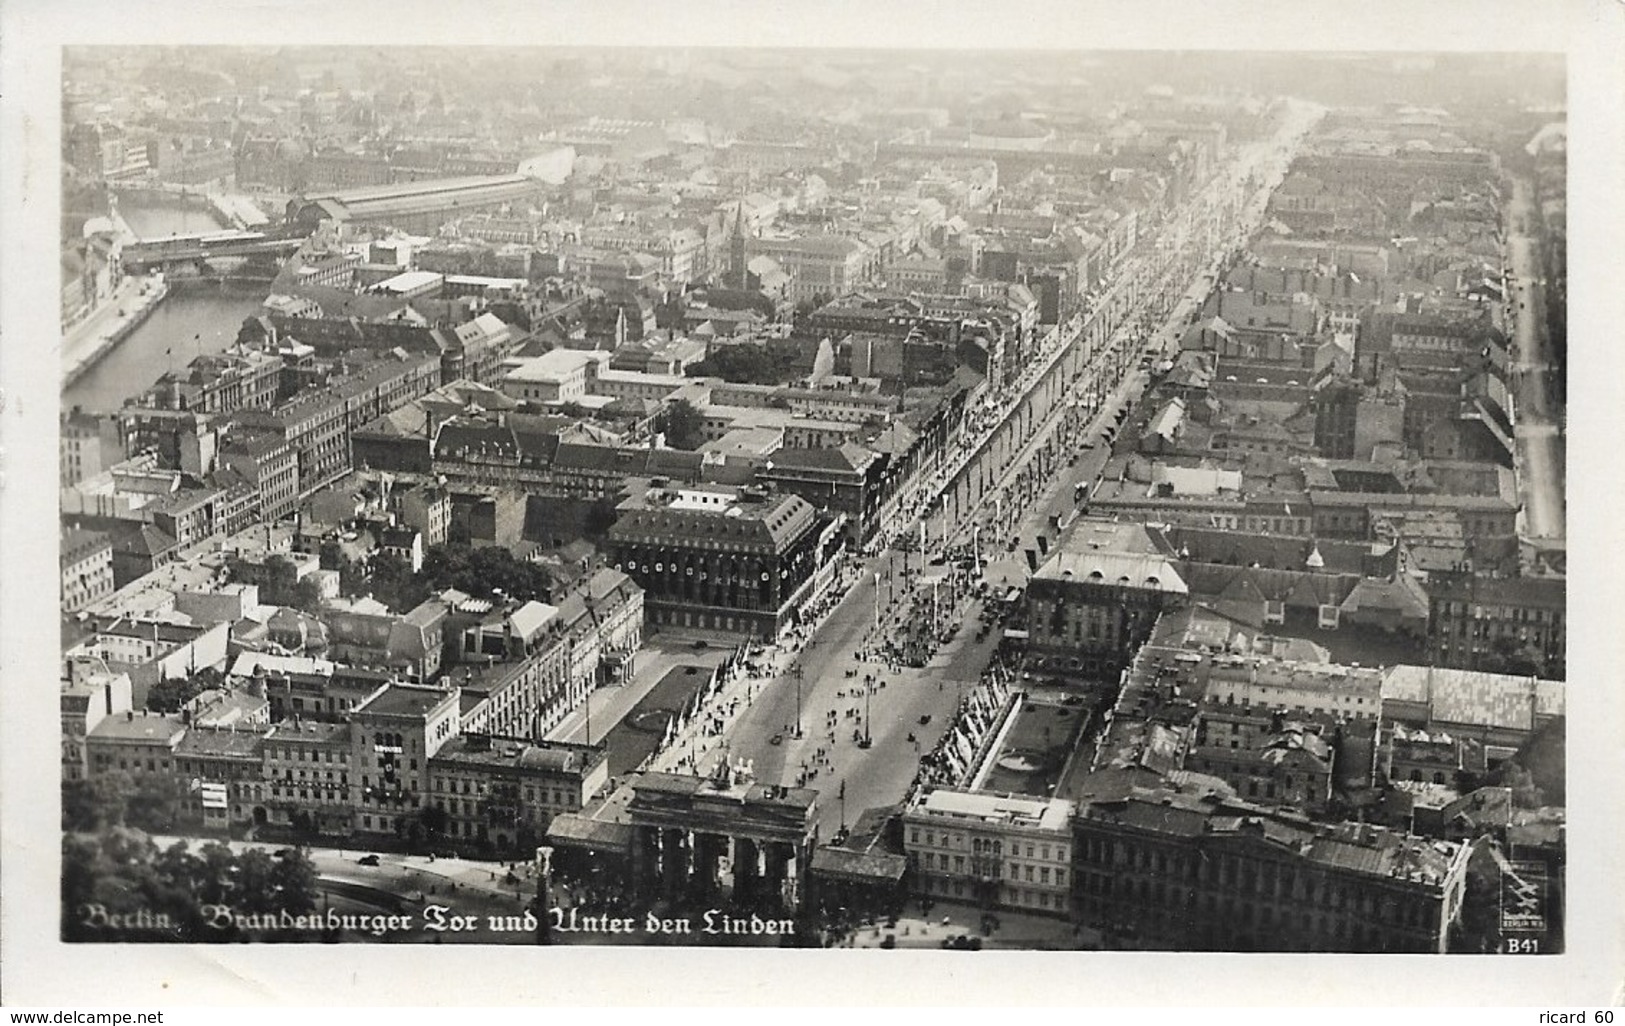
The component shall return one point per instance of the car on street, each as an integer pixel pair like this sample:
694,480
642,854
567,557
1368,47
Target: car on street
367,860
776,739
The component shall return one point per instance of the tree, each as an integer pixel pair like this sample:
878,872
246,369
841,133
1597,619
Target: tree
1508,655
251,333
278,581
1526,794
330,555
435,820
168,695
684,425
353,579
98,803
601,516
307,596
294,881
123,872
482,571
393,583
157,804
746,363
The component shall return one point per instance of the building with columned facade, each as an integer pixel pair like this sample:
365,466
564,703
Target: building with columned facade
722,838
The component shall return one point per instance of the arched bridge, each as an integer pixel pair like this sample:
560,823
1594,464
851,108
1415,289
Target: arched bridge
186,249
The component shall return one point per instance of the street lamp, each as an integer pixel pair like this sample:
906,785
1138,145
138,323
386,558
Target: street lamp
877,600
797,672
868,689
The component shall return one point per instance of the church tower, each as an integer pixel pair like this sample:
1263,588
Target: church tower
737,272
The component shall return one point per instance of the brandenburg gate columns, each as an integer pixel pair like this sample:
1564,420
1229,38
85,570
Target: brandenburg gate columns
747,870
674,861
708,849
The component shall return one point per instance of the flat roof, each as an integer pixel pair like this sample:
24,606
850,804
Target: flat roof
309,731
249,662
139,727
551,366
405,700
407,280
542,756
1035,749
485,282
998,809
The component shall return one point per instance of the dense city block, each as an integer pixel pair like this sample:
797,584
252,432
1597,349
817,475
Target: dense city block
843,499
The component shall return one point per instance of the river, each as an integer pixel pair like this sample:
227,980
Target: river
196,318
152,218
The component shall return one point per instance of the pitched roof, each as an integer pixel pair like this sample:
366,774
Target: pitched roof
1259,583
1474,696
1402,595
531,617
848,456
140,539
1137,570
859,865
1244,548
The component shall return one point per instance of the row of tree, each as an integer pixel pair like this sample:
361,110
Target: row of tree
747,363
387,577
117,885
484,570
117,799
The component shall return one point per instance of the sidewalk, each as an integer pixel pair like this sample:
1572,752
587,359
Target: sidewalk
697,749
1015,930
89,340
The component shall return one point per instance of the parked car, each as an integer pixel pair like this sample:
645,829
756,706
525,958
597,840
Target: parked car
367,860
